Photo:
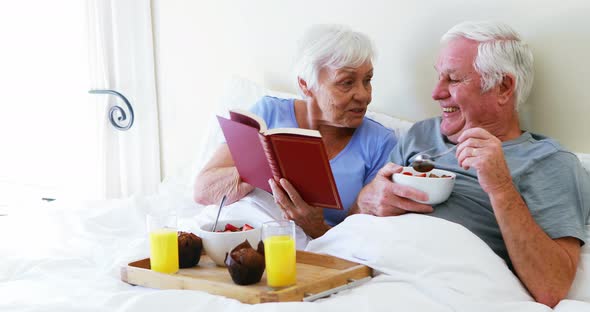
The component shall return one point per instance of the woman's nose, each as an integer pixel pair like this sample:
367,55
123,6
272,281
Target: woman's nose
363,93
440,91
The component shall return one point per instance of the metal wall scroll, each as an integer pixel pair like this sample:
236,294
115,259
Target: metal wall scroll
117,121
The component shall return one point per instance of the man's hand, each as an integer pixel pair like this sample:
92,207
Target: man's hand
479,149
309,218
383,198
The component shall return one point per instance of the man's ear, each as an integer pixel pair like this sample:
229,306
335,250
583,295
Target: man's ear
303,86
507,88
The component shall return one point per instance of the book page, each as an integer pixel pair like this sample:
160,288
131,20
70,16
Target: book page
248,118
299,131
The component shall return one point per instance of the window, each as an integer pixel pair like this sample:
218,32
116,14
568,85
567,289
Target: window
48,122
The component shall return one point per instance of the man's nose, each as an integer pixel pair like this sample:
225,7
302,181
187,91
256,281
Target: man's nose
440,91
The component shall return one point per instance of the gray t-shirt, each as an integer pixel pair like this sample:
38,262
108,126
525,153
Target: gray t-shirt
551,180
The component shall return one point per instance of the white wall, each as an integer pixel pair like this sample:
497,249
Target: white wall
199,44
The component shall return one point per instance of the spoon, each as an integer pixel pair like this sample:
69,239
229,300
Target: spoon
218,212
425,163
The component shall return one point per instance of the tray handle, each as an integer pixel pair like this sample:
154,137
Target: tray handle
308,297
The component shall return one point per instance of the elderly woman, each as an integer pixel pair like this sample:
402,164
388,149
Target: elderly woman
334,71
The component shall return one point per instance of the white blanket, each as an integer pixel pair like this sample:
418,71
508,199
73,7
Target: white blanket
66,257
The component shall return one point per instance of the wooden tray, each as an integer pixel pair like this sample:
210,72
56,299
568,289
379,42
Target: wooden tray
317,276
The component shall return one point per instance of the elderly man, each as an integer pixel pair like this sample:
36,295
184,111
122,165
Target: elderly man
520,192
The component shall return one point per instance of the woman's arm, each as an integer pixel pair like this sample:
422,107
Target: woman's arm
220,177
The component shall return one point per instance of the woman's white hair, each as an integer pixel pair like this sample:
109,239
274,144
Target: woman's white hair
500,51
334,46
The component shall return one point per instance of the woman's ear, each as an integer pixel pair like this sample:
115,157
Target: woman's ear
507,88
303,86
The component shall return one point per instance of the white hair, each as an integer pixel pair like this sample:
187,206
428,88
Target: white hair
334,46
500,51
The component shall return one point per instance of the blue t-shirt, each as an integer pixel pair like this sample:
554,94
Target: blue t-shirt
551,180
354,167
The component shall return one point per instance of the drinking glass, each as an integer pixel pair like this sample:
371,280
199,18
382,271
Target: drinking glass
279,253
163,243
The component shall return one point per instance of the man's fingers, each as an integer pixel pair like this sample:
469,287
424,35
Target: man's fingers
406,199
412,206
473,142
478,133
389,169
409,192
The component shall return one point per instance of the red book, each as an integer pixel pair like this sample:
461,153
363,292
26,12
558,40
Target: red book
298,155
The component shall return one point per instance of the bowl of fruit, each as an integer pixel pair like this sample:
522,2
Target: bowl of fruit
437,184
227,235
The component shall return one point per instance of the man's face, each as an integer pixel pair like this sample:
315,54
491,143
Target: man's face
458,91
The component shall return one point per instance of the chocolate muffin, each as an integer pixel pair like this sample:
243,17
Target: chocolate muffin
189,249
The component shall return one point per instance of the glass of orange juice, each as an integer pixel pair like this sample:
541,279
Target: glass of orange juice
279,253
163,243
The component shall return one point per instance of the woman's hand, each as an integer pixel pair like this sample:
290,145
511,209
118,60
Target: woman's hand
309,218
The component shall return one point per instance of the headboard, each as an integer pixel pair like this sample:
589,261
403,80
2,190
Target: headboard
198,47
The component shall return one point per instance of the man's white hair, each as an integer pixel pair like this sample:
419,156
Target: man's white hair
334,46
500,51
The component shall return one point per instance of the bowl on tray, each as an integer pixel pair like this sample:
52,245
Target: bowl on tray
217,244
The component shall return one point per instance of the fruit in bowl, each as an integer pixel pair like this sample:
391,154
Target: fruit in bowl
228,234
437,184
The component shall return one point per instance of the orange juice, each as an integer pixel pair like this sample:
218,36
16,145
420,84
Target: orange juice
279,252
164,250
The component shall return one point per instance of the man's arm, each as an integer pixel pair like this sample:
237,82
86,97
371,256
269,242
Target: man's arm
547,267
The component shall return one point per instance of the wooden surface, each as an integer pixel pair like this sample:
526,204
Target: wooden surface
315,273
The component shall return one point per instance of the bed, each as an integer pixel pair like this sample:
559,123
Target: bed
67,257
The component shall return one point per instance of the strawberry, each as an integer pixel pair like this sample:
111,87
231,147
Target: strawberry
247,227
407,173
231,228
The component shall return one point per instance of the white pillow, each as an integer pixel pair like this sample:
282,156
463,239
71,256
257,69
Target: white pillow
237,93
581,287
399,126
585,160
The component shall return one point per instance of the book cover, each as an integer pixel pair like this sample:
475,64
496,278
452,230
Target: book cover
298,155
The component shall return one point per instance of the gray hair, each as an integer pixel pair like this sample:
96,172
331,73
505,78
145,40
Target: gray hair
333,46
500,51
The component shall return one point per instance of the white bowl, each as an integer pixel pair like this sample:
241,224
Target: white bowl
438,189
217,244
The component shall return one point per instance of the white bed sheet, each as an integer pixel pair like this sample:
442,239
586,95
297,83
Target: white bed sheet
66,257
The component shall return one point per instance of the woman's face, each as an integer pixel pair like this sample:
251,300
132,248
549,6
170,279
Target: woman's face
343,94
